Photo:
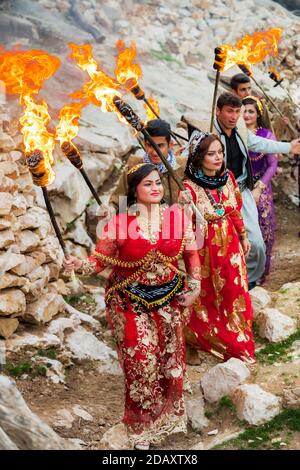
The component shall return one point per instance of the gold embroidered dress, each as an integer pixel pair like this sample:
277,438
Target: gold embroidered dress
146,318
221,319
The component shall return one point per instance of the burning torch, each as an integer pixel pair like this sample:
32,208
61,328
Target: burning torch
217,67
127,73
246,70
66,130
131,117
275,76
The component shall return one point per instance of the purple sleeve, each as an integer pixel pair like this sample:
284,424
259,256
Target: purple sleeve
272,162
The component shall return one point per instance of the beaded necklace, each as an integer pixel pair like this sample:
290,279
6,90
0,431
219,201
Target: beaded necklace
218,206
145,226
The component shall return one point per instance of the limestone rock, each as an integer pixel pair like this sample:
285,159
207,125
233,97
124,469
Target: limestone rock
83,317
275,326
44,309
21,425
27,340
5,222
7,184
6,142
8,326
57,327
54,369
195,412
58,286
9,169
6,202
26,267
12,301
81,413
6,238
291,398
288,300
5,442
10,261
260,299
19,204
27,240
10,280
223,379
116,438
64,419
84,345
254,405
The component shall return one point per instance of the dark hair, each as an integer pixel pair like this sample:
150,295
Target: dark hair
159,128
228,99
202,150
134,179
238,79
260,121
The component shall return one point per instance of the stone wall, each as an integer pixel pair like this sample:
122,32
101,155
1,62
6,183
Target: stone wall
30,255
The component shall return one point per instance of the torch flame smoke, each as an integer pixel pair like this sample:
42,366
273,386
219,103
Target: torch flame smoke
249,50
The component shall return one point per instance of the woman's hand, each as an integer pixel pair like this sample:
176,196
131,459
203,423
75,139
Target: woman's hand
189,297
72,263
256,193
246,245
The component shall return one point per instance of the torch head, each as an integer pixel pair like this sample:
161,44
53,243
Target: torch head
218,58
127,112
137,92
41,174
72,153
246,70
275,77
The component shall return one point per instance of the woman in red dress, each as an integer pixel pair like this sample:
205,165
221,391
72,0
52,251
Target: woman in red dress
221,320
147,301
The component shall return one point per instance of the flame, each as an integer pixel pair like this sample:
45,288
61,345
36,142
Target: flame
68,126
101,88
24,73
249,50
36,136
155,105
126,71
274,74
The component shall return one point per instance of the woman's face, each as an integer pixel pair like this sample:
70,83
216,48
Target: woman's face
150,190
213,159
250,115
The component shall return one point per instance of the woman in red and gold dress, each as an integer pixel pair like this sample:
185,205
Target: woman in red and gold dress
147,301
221,321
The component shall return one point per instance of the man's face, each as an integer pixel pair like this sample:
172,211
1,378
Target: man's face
163,145
228,116
243,90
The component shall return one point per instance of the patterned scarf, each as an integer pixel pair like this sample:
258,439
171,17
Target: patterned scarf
160,167
197,176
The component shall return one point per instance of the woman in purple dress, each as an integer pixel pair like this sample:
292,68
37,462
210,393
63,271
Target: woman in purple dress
264,168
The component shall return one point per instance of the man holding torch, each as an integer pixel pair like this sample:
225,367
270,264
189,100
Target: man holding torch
160,131
237,142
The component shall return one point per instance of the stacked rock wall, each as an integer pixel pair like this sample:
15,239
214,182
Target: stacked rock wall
29,252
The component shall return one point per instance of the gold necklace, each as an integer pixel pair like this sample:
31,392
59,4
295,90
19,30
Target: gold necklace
146,228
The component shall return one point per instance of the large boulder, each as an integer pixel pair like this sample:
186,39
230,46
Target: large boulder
223,379
23,428
275,326
254,405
